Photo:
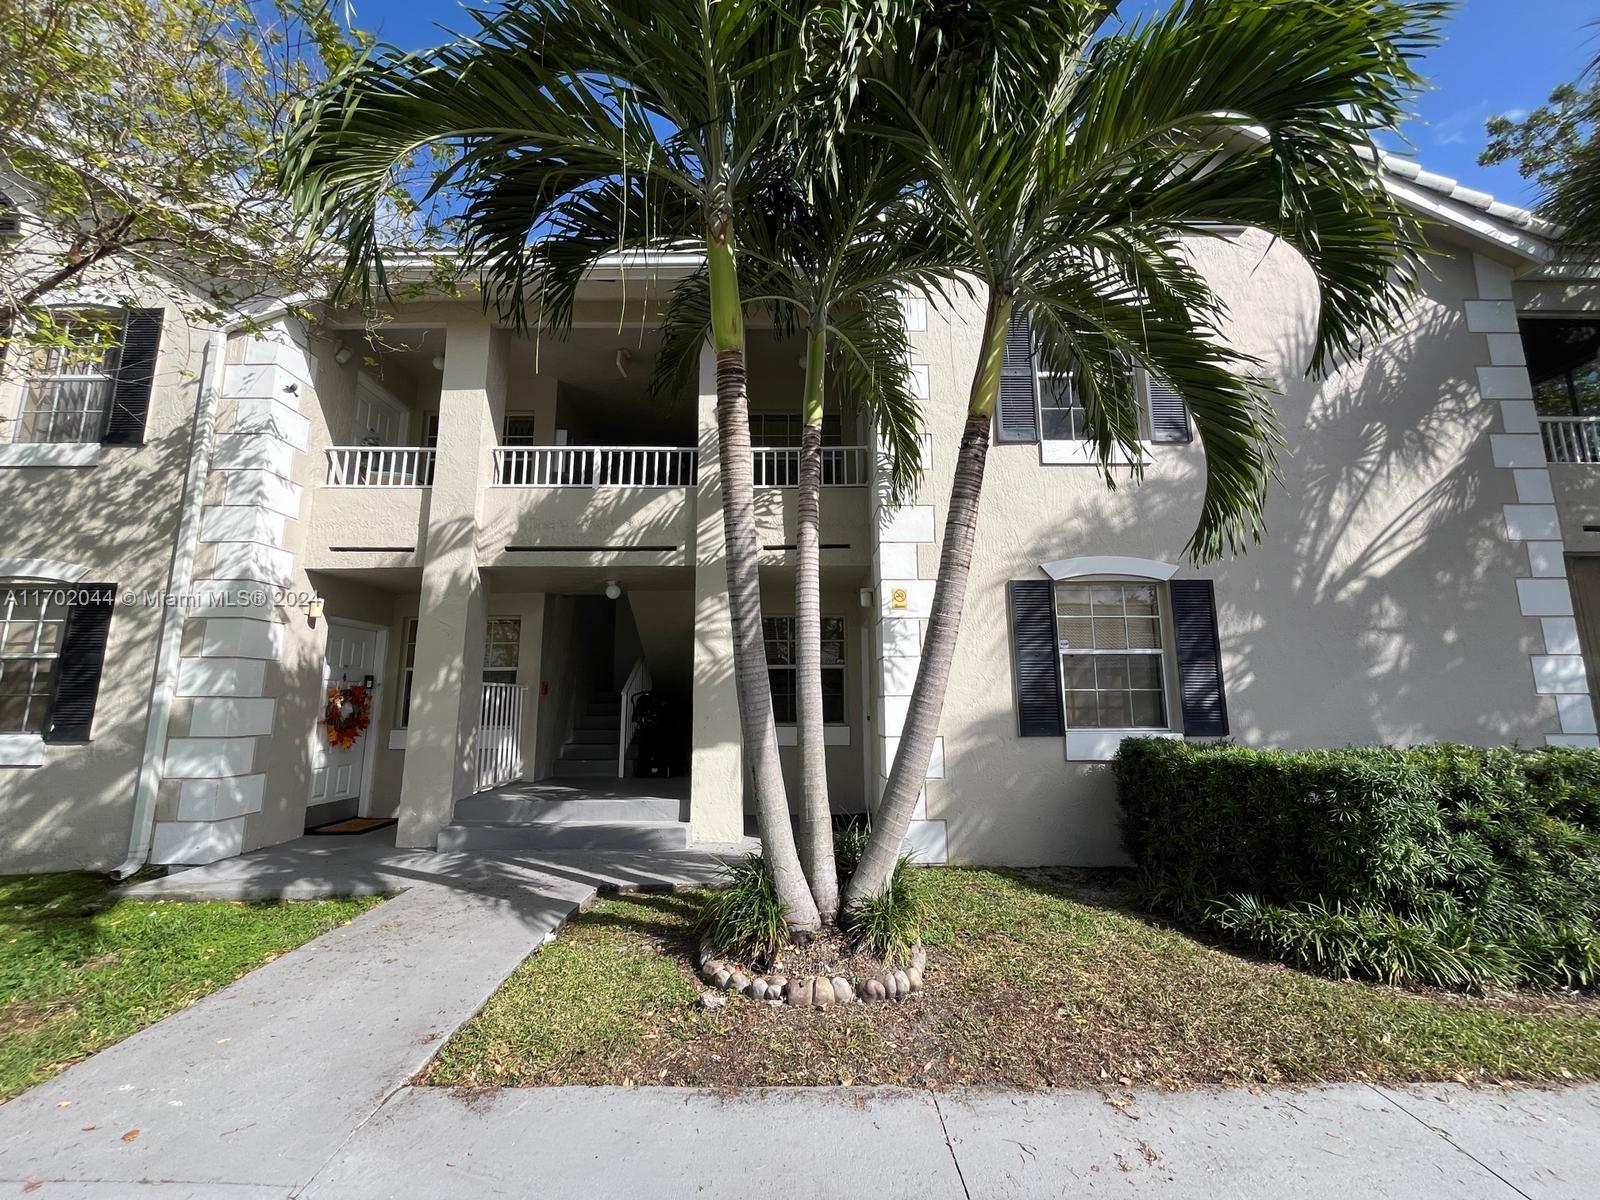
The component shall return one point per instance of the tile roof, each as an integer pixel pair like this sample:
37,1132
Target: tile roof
1452,189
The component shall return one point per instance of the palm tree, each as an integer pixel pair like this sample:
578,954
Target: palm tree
574,129
1069,184
830,251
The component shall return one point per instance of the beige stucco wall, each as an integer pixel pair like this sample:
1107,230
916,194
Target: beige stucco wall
117,518
1380,608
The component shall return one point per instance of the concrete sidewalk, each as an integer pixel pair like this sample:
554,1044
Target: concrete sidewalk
1344,1143
1350,1142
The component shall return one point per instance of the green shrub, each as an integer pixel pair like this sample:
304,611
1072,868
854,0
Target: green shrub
849,844
744,919
1454,866
890,924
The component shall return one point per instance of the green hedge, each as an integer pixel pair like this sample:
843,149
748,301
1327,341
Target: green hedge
1446,865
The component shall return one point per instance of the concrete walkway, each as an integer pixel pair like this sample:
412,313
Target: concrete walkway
1351,1142
1341,1143
257,1086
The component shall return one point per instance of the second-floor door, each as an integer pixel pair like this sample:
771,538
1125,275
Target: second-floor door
380,419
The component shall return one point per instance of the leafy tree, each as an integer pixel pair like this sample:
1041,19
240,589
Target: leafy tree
137,139
1557,146
1069,183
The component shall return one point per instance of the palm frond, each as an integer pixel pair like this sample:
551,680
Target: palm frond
1096,318
870,357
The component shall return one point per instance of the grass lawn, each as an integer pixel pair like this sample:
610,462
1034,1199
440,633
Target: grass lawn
80,970
1029,983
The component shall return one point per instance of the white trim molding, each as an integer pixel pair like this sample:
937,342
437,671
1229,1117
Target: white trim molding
1076,452
51,454
832,735
1110,566
1101,745
42,568
21,750
1544,595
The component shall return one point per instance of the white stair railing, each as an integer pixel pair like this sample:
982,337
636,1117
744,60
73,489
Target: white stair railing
779,466
1571,439
380,466
595,466
638,681
500,735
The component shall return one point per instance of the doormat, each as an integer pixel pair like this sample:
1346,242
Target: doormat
352,825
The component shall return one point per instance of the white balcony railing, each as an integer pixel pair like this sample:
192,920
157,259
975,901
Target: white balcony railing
380,466
1571,439
842,466
595,466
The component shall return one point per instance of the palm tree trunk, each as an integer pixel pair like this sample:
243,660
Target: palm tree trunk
816,841
926,706
753,687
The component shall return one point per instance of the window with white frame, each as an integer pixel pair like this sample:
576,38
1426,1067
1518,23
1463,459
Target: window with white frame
32,620
70,380
408,668
1113,670
519,429
1041,404
781,430
502,649
782,668
1061,413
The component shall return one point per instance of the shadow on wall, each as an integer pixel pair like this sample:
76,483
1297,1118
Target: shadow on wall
118,519
1380,606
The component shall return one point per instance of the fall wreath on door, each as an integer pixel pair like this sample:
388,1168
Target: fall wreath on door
349,713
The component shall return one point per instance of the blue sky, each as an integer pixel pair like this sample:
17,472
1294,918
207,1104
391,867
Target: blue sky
1498,56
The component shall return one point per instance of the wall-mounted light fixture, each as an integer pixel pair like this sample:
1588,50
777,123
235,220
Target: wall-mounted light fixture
438,362
314,611
613,590
343,355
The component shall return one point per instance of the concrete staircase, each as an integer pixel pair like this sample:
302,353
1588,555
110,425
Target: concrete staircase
537,818
590,751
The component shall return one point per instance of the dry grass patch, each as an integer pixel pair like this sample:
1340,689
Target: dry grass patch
1033,980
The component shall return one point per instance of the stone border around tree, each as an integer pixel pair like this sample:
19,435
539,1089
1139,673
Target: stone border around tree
815,991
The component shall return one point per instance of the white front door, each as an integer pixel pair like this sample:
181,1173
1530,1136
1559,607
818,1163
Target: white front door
380,419
353,654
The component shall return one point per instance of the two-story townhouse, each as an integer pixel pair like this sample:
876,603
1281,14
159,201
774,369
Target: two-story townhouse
521,552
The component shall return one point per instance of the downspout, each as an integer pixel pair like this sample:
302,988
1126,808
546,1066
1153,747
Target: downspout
179,581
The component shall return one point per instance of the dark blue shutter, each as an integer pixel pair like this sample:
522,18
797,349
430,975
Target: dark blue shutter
136,375
1194,621
1019,403
1169,420
83,652
1036,657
